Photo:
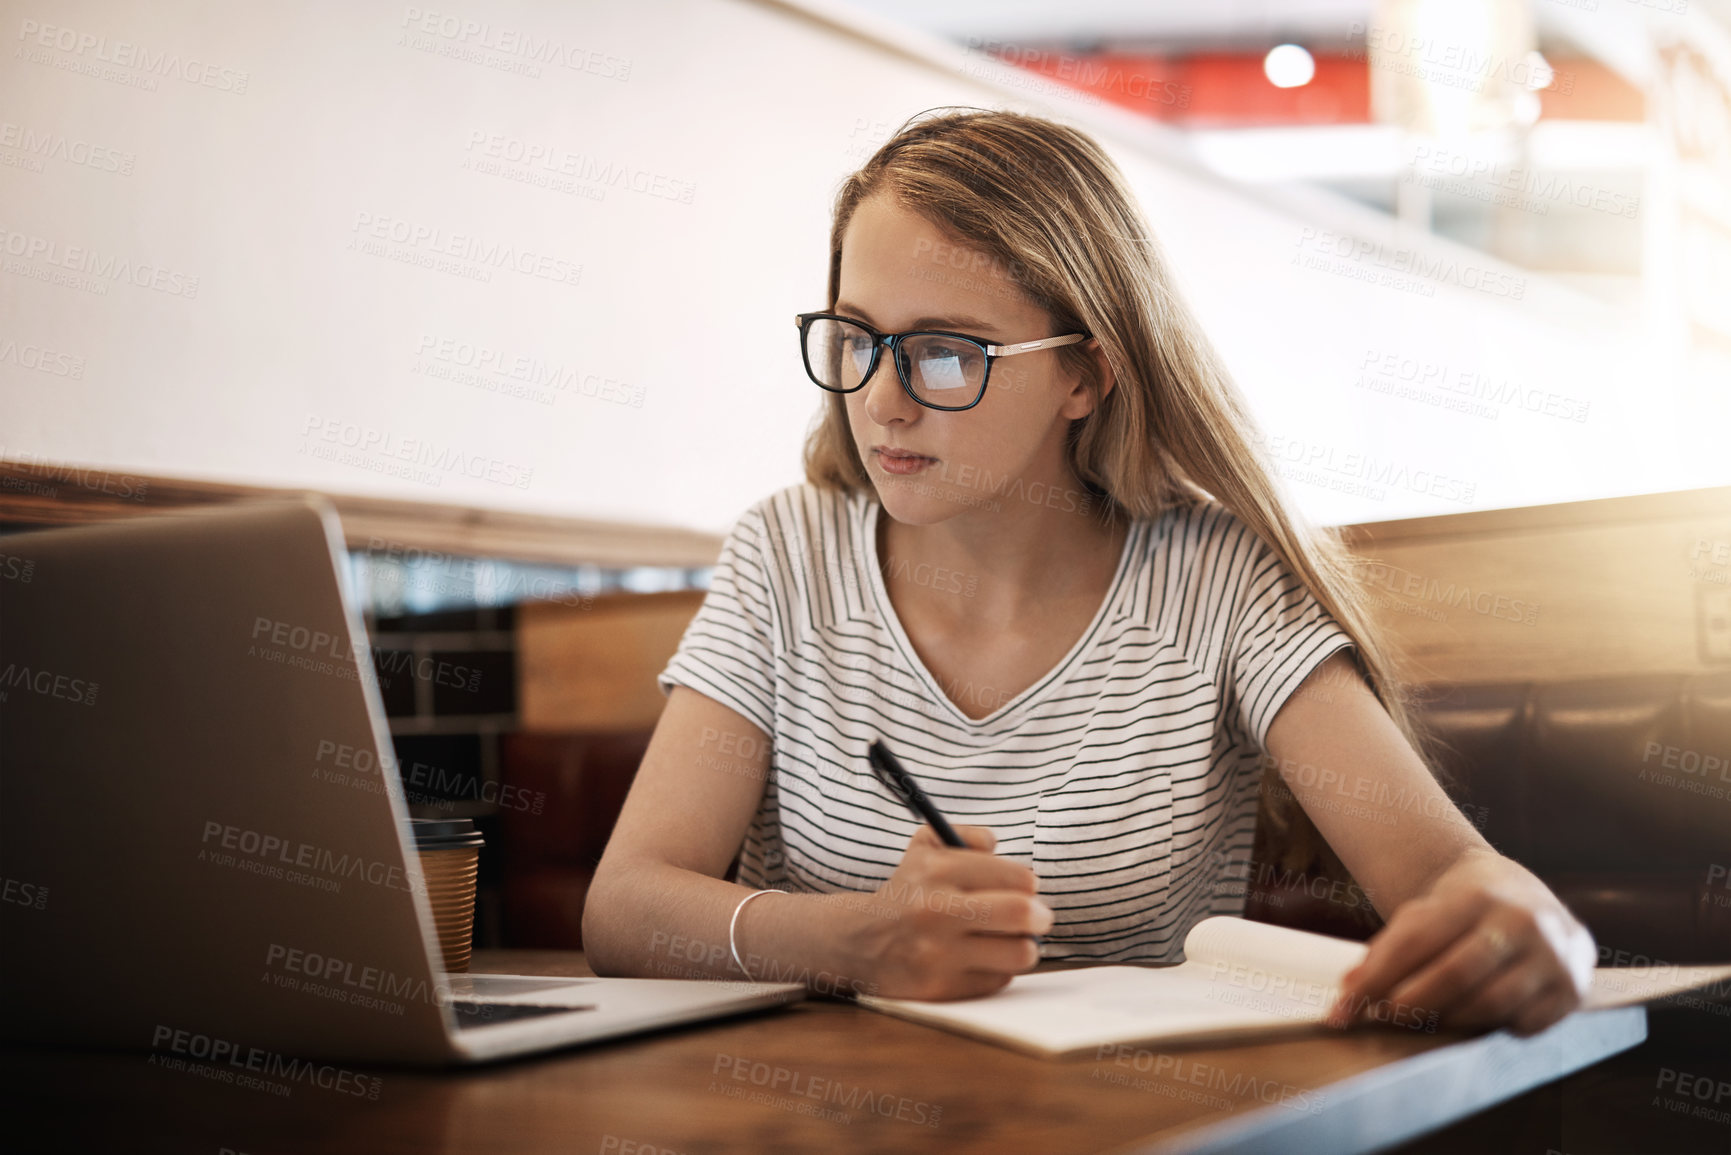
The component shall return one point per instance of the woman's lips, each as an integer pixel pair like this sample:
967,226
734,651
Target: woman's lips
902,463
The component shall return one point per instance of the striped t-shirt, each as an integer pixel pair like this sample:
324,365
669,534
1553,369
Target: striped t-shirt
1127,777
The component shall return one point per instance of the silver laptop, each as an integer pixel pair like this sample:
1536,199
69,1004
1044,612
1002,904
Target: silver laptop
176,873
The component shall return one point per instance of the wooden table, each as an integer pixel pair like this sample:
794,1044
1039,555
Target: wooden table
817,1076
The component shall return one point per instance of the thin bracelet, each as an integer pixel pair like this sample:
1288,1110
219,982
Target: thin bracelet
733,925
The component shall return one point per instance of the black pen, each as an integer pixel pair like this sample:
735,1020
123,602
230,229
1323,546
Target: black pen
890,770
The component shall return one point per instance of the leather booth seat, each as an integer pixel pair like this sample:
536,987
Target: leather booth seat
549,858
1615,791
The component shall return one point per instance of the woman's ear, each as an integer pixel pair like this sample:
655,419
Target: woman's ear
1090,385
1104,378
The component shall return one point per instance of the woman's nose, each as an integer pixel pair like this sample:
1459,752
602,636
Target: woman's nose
885,399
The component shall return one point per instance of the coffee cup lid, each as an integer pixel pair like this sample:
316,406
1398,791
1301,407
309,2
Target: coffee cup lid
445,833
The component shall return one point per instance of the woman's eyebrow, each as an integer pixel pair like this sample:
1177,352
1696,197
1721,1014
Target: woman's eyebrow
923,322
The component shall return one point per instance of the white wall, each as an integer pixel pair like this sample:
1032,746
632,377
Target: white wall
261,169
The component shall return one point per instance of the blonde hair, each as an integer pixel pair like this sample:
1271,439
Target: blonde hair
1050,208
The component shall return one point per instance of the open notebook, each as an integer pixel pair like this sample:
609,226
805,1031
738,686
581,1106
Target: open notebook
1240,980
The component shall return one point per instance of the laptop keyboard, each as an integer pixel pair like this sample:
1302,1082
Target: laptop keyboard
487,1014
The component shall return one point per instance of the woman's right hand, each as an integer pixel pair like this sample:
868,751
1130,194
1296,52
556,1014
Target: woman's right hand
953,922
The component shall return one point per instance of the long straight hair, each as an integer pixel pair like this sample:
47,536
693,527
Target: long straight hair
1053,210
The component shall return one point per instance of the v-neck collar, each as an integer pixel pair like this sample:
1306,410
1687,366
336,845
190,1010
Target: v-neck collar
867,527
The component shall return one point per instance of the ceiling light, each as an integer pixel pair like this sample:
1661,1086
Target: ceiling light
1288,66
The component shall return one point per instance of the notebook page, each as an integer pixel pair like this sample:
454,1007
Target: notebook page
1626,986
1238,978
1059,1012
1314,959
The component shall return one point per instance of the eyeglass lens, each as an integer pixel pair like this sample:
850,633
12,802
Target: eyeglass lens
942,370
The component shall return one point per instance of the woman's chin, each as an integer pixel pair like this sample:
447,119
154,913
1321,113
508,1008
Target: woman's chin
914,502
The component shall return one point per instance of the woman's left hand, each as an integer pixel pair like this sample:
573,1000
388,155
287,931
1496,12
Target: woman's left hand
1488,945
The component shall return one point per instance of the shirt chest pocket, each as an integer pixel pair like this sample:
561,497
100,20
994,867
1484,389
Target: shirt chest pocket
1102,851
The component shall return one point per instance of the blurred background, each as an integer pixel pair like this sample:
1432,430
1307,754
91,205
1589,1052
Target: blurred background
1461,254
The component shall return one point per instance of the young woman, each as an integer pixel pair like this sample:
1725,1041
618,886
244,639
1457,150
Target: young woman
1038,556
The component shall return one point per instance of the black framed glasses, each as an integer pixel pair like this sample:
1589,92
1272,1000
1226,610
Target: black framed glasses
940,370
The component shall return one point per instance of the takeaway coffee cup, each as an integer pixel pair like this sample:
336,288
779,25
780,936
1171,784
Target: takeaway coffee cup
450,850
